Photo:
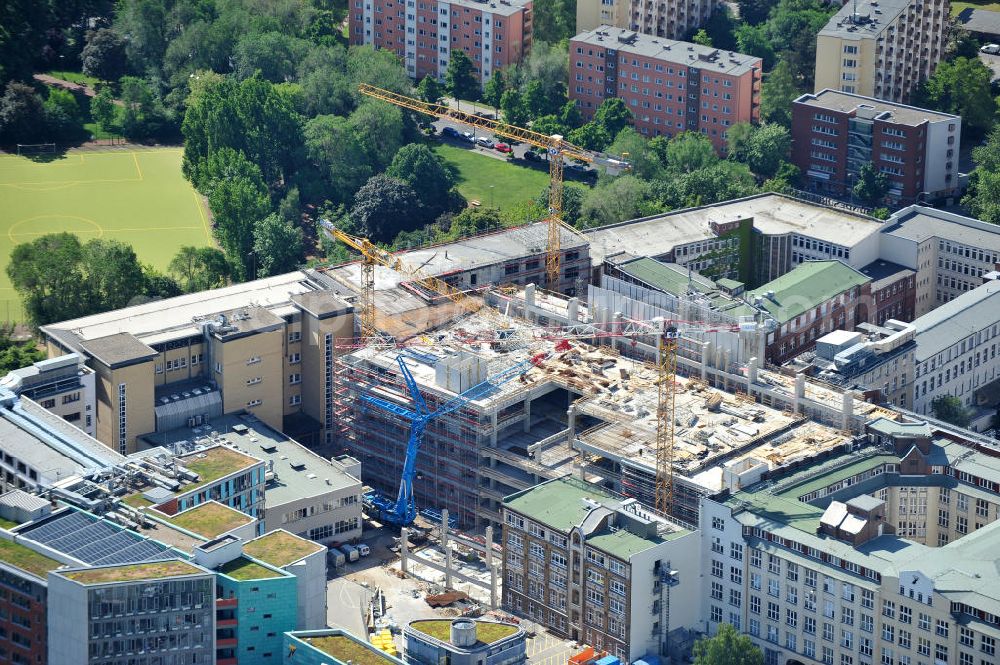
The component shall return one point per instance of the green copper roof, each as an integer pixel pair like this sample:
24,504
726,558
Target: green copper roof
806,287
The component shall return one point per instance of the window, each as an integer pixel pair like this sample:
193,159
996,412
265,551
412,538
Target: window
755,558
772,612
294,379
294,400
294,358
755,604
294,336
716,568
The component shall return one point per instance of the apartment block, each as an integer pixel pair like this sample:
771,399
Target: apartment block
815,298
881,48
950,253
63,385
115,614
591,14
669,86
264,347
599,569
835,133
673,19
494,34
876,555
957,353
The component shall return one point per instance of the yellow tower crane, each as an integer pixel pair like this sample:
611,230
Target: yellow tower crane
556,147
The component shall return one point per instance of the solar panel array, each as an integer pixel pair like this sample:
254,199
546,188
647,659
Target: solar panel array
95,541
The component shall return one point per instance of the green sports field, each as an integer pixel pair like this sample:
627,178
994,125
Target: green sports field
136,196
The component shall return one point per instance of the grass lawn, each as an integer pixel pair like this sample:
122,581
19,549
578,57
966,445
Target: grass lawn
135,196
512,184
487,632
74,77
958,7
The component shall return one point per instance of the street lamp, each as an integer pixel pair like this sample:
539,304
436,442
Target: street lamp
491,196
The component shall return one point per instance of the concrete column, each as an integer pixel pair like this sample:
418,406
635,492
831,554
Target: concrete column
718,360
490,567
529,298
493,434
527,414
616,326
848,412
726,354
572,309
752,369
404,548
706,358
571,424
800,391
447,549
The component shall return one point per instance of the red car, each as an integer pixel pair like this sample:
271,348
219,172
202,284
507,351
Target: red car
502,147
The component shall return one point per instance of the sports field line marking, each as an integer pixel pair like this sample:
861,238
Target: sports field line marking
20,185
201,213
102,230
98,229
136,160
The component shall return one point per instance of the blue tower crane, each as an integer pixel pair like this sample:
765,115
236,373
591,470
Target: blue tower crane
403,510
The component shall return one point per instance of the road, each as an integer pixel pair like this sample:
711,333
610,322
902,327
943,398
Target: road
993,62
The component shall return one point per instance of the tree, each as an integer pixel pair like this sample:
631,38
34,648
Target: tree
543,76
460,77
572,201
951,410
104,55
430,90
277,244
616,200
61,114
777,93
495,86
472,221
613,115
753,40
569,115
113,274
199,268
16,354
431,178
555,20
645,163
727,647
513,108
871,186
549,125
336,153
103,109
383,207
701,37
719,181
961,86
46,274
273,54
763,148
592,136
755,11
20,111
378,67
983,196
688,151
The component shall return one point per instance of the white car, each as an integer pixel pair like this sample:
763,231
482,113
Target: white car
991,49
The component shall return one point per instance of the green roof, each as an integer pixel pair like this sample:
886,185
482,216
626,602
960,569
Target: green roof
730,284
280,548
669,278
806,287
242,568
214,463
487,632
133,572
19,556
343,649
210,519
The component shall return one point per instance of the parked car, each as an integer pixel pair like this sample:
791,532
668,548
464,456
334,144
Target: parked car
485,142
532,156
469,136
502,147
991,49
484,114
451,132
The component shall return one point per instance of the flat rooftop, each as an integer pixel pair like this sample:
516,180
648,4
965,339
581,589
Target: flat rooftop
174,318
345,649
884,272
299,472
875,16
889,111
920,223
242,568
773,214
210,519
134,572
214,463
806,287
497,7
952,322
17,555
487,632
687,54
280,548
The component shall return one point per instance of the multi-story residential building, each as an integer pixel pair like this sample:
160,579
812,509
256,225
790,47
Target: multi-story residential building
754,239
264,347
878,362
673,19
815,298
894,291
64,386
835,133
263,473
881,48
669,86
957,352
464,642
424,33
591,14
598,568
949,253
880,555
114,615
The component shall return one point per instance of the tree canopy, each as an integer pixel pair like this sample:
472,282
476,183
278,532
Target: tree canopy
951,410
727,647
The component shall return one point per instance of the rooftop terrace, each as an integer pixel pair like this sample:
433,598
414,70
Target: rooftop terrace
133,572
280,548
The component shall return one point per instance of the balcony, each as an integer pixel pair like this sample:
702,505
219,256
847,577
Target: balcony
226,623
227,643
225,602
225,661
